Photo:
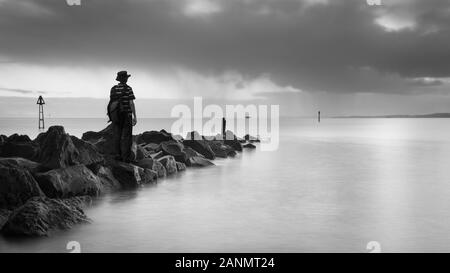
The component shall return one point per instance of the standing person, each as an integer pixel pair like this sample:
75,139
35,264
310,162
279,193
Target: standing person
122,113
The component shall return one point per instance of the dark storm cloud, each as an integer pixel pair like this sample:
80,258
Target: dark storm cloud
333,45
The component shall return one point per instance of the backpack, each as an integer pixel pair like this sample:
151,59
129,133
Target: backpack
113,111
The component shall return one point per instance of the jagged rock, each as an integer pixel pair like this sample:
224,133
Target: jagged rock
107,179
199,162
94,136
169,164
67,182
232,141
21,163
41,215
131,176
4,216
154,137
19,138
60,150
152,147
19,146
149,163
249,146
57,149
180,166
87,152
174,149
191,152
157,155
141,153
103,140
17,185
200,146
220,149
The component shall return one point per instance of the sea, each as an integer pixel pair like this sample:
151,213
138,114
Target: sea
341,185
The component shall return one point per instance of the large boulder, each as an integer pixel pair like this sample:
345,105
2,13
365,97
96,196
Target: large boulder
198,162
107,179
220,149
131,176
17,185
19,146
169,164
174,149
249,146
140,152
41,215
180,166
154,137
200,146
151,147
87,152
102,140
21,163
57,149
60,150
152,164
71,181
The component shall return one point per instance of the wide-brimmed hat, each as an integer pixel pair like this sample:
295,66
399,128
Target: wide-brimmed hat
122,75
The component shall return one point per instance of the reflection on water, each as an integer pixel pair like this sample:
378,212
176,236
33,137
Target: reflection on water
330,187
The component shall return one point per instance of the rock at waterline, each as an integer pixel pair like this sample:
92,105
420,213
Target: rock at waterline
169,164
249,146
17,185
181,166
131,176
201,147
174,149
107,179
41,215
199,162
232,141
251,139
152,164
67,182
220,149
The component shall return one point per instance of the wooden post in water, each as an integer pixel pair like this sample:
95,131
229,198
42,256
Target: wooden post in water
41,103
224,128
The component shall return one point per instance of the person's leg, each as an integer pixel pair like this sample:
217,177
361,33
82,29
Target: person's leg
127,138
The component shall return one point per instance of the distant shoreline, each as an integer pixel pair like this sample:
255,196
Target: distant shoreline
436,115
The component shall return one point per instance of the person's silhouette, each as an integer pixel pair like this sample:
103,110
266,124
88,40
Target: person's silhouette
122,113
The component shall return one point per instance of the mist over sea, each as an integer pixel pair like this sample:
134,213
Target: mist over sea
333,186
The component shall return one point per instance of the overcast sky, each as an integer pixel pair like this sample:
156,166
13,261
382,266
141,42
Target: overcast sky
339,56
